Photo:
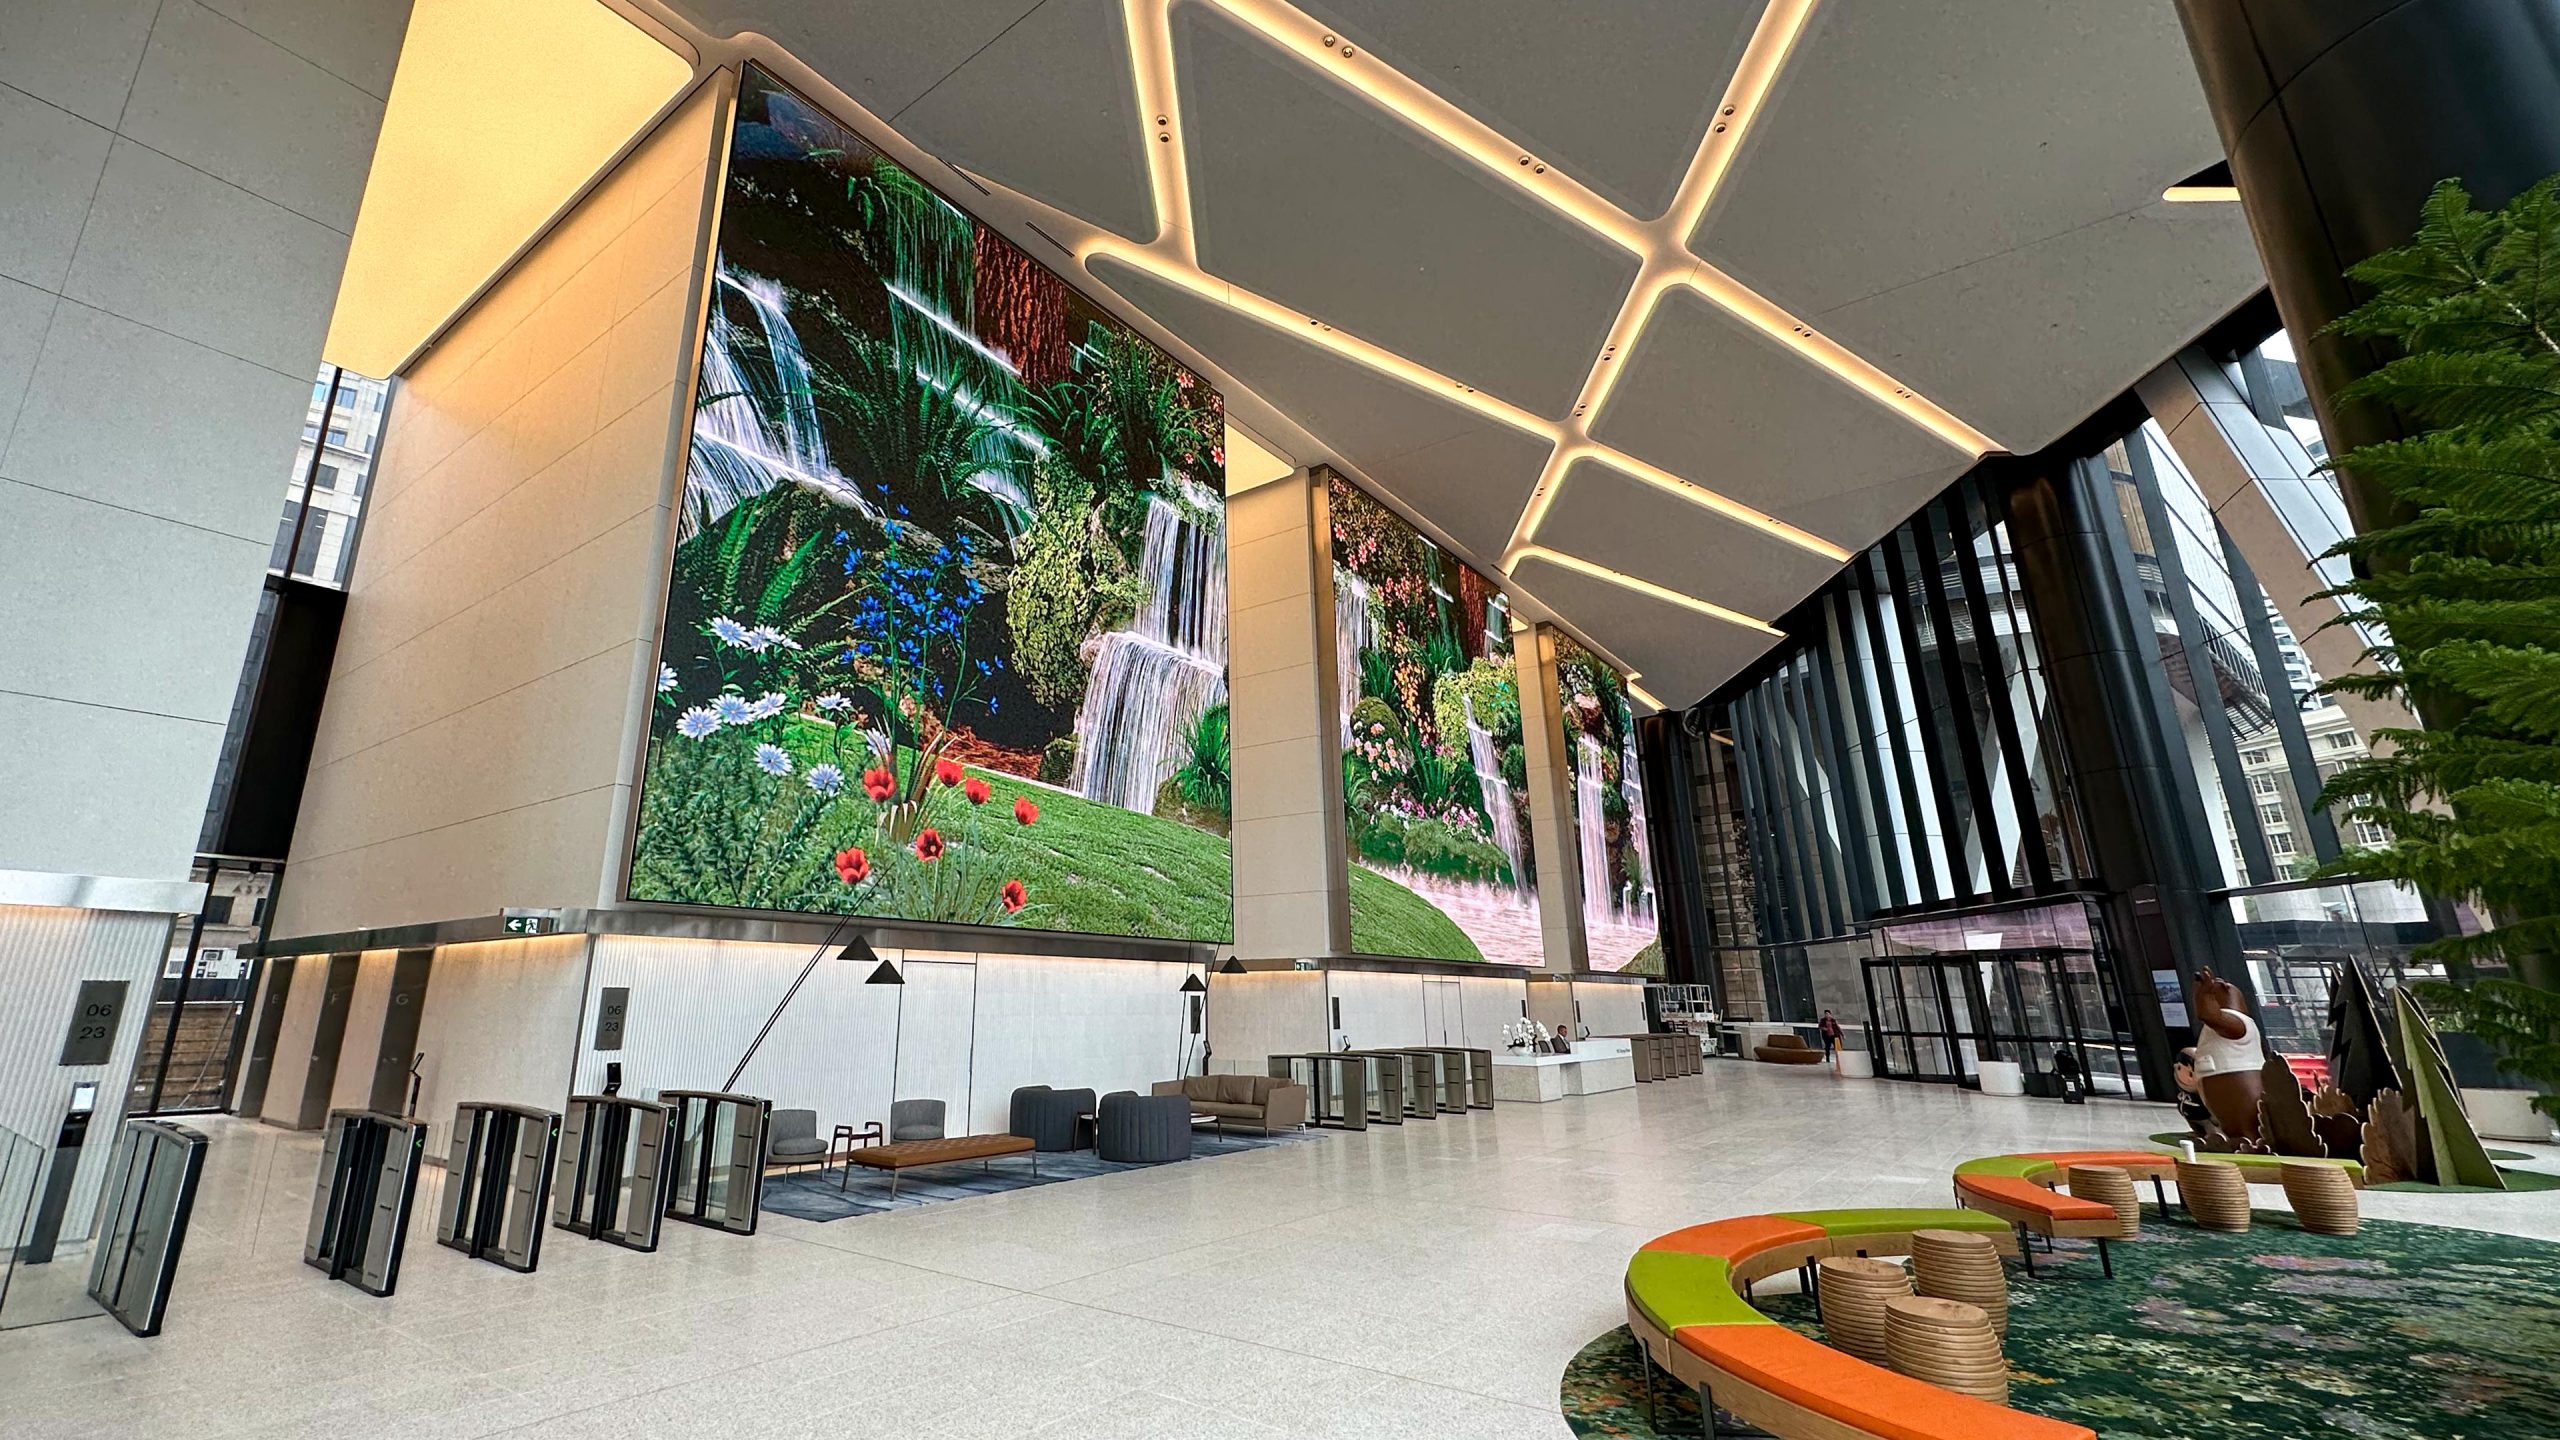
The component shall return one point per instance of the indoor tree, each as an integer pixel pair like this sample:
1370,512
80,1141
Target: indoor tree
2459,594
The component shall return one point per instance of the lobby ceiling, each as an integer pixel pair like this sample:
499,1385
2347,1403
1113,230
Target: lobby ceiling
1660,308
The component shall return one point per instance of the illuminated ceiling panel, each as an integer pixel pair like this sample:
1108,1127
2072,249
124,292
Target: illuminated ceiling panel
500,112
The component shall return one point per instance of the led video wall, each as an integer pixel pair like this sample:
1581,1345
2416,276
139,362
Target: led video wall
946,631
1433,771
1606,810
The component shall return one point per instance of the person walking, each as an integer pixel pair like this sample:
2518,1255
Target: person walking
1830,1028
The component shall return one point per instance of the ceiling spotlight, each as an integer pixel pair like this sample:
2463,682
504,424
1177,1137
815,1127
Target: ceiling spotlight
2211,185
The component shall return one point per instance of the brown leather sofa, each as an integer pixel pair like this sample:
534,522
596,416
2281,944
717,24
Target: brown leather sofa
1242,1102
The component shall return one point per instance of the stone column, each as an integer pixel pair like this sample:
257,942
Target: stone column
1550,781
1292,884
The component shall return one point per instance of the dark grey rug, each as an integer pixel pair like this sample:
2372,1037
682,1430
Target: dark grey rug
815,1194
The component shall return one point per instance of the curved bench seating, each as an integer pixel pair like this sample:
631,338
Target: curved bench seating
2019,1188
1686,1306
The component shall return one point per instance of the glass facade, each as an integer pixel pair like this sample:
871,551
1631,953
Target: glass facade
1900,755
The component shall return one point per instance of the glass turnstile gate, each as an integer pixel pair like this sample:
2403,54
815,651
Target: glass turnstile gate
715,1149
497,1183
142,1221
611,1180
360,1207
1337,1089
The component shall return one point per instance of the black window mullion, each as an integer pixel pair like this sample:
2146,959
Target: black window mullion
1898,570
1959,708
1803,870
1804,764
1770,886
1856,874
2238,799
1899,723
1966,520
2298,762
1859,658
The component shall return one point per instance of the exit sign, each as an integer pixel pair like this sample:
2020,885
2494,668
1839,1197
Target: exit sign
529,922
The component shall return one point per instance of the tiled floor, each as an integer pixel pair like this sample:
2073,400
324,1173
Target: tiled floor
1429,1280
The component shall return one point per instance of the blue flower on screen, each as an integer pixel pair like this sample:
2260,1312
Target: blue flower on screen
772,760
697,722
766,706
666,678
733,709
729,632
826,779
832,702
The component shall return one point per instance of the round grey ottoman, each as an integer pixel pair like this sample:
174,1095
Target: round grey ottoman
1143,1129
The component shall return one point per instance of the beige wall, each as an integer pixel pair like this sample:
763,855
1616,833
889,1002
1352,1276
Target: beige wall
177,186
1292,891
291,1068
501,1024
352,1089
1264,1013
492,681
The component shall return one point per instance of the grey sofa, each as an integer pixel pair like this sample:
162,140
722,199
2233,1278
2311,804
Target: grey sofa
1143,1129
1047,1118
915,1120
1242,1102
791,1138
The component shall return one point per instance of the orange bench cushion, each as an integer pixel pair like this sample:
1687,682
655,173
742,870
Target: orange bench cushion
1738,1238
1866,1397
2028,1195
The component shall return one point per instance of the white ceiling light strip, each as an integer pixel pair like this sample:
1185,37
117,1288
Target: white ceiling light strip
1662,244
1642,586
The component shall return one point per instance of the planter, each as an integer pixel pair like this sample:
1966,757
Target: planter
1857,1065
2507,1115
2002,1077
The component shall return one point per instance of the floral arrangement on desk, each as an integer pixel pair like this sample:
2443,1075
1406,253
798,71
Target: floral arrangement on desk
1528,1036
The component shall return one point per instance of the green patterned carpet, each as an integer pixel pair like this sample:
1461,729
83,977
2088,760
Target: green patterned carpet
2401,1330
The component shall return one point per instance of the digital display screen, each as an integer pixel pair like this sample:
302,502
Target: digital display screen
946,634
1433,772
1606,807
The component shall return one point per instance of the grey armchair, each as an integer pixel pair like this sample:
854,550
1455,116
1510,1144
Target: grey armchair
915,1120
791,1138
1143,1129
1047,1118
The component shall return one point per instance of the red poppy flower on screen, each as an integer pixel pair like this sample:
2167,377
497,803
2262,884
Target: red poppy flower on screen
1023,810
947,771
928,844
976,790
879,783
1013,897
852,866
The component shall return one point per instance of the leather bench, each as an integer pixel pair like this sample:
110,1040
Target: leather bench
909,1154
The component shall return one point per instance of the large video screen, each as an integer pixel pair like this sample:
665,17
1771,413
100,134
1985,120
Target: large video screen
1607,811
1433,773
946,636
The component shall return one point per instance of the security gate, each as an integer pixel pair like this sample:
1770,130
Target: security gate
497,1183
611,1184
360,1208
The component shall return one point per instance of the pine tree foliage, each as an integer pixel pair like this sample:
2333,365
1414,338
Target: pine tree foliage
2464,593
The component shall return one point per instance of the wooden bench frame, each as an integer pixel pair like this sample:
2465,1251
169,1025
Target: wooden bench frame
1721,1389
2139,1165
893,1157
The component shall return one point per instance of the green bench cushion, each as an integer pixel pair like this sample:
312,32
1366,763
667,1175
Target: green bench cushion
1676,1288
2015,1166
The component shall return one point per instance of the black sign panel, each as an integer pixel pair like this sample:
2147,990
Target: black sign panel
610,1010
92,1038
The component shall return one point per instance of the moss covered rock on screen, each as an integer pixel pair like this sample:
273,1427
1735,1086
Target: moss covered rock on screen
2276,1334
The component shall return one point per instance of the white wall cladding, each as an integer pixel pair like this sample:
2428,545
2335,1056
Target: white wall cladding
964,1028
181,179
501,1024
45,952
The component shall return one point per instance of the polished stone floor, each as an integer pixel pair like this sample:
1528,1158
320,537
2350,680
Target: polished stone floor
1427,1280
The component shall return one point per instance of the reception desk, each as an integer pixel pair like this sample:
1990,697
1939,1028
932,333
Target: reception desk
1593,1067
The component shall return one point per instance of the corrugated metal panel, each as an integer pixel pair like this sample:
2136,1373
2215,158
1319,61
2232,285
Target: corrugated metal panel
44,955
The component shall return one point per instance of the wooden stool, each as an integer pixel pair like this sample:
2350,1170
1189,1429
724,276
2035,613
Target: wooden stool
2215,1192
1948,1344
2109,1185
1963,1266
2323,1198
1855,1289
